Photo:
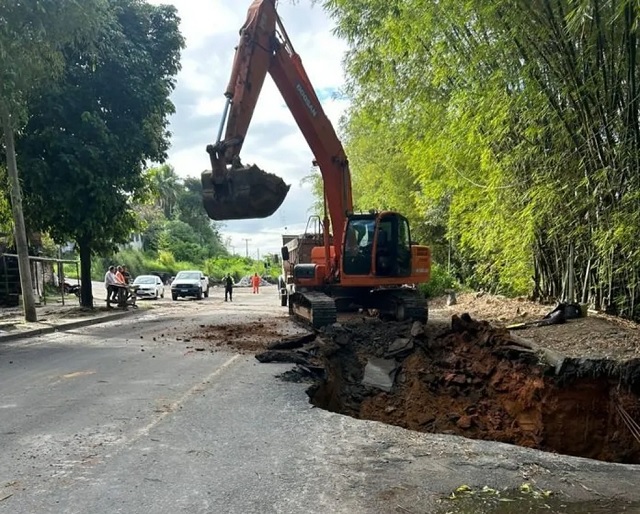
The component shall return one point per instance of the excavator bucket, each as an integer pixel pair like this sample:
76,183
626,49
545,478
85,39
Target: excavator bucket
242,193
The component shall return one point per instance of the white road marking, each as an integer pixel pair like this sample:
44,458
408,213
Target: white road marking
144,431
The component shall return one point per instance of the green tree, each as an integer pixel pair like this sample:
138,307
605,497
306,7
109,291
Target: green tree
151,223
85,146
514,124
191,211
6,219
165,187
32,35
182,240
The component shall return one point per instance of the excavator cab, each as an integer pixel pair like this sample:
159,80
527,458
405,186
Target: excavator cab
377,244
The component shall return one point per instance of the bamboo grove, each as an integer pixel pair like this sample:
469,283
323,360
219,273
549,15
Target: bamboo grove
508,132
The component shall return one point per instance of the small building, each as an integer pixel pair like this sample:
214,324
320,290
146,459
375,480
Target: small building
134,243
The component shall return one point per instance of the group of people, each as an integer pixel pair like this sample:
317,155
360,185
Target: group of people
118,277
114,280
228,286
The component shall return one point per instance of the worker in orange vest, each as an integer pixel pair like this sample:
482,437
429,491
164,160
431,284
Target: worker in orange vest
255,282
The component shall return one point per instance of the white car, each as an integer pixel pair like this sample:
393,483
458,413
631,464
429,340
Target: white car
149,286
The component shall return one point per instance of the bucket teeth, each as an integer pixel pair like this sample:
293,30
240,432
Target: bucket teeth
242,193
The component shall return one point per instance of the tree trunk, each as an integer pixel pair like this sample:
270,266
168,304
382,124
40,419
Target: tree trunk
86,293
20,232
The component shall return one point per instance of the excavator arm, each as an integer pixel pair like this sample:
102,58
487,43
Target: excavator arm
250,64
235,192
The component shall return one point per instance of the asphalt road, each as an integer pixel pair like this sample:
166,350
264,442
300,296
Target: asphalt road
106,420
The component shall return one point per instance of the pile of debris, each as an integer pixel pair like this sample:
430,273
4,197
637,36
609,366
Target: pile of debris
473,380
242,337
246,282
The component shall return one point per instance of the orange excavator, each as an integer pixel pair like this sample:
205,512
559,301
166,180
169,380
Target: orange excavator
363,259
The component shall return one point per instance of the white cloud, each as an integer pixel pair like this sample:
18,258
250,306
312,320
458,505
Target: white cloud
273,141
203,18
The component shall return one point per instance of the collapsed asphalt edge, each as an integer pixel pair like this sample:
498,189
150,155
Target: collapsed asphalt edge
65,326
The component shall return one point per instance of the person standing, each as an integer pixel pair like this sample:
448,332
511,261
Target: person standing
110,285
255,282
120,276
228,287
120,287
126,275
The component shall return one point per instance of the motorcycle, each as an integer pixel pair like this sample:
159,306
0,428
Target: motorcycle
72,289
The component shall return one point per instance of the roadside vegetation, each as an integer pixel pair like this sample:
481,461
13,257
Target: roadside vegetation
99,115
508,133
142,263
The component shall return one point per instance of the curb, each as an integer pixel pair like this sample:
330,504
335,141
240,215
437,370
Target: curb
65,326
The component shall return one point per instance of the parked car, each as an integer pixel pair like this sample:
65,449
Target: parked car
190,283
149,286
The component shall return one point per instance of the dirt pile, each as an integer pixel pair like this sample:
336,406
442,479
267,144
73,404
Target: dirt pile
475,380
596,336
242,337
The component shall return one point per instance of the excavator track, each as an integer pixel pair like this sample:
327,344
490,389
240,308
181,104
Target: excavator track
313,308
401,304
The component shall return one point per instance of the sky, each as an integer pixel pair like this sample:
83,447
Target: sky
273,141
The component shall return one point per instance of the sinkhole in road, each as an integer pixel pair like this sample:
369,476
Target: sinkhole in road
474,380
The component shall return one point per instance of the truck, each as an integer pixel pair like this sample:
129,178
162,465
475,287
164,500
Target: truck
363,258
190,283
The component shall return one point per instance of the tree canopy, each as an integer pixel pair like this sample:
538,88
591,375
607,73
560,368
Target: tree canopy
32,37
33,34
178,223
89,136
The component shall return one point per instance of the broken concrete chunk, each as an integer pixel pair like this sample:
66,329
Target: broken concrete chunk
400,345
290,343
380,373
417,329
283,356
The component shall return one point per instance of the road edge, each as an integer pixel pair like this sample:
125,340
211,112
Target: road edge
65,326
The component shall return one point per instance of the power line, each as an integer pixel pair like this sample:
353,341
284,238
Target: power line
246,241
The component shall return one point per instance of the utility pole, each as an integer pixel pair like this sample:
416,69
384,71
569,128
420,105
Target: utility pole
20,232
246,241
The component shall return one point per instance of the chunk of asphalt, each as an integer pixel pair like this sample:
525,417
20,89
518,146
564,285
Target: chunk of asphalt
380,373
400,345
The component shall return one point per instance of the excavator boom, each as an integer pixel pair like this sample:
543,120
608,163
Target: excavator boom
232,191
